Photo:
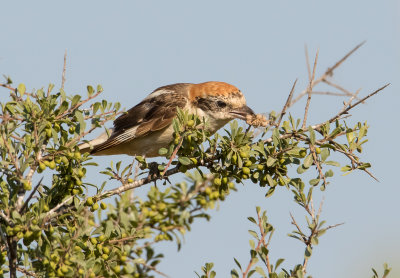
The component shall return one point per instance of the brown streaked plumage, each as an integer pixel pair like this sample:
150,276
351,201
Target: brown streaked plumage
146,127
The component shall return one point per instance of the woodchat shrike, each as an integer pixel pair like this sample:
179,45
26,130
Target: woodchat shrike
147,127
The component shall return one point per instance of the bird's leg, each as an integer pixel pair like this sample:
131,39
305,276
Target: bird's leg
153,170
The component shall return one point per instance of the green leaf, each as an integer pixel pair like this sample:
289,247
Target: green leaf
21,89
184,160
345,168
234,273
332,163
314,182
275,137
270,192
308,161
329,173
324,154
260,271
251,219
75,100
90,90
270,180
271,161
364,166
254,234
237,263
308,252
162,151
301,169
312,135
278,263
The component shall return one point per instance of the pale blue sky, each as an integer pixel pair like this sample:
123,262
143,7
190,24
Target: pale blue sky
132,47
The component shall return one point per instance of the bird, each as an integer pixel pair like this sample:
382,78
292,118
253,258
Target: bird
147,127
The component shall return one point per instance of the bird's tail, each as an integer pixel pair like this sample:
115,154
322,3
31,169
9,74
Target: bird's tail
88,147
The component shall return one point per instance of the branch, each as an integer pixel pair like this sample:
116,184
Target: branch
79,104
327,73
287,104
351,106
261,242
26,272
309,90
64,70
153,269
30,196
6,218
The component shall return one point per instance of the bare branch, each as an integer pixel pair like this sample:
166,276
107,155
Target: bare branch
26,272
307,62
351,106
64,70
309,90
289,99
327,73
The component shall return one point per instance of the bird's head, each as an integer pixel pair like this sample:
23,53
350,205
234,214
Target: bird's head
218,102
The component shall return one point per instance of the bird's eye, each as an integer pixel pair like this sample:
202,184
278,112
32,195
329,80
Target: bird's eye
221,104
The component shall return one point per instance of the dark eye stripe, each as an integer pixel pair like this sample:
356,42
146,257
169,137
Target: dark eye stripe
221,104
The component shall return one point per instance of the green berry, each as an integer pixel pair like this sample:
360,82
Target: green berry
190,123
27,185
246,170
95,206
217,181
89,201
42,166
52,165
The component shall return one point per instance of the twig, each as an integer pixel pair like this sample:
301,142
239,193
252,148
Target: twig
307,62
327,73
298,227
309,90
6,218
351,106
260,243
64,70
26,272
79,104
138,183
289,99
317,163
123,239
7,86
30,196
340,88
172,156
327,93
153,269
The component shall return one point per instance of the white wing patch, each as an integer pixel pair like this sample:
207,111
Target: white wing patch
158,93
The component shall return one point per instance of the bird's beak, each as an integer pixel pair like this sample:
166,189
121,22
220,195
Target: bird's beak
242,112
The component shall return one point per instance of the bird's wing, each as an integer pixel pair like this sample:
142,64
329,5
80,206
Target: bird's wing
153,113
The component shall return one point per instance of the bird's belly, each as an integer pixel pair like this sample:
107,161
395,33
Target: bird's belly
150,144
